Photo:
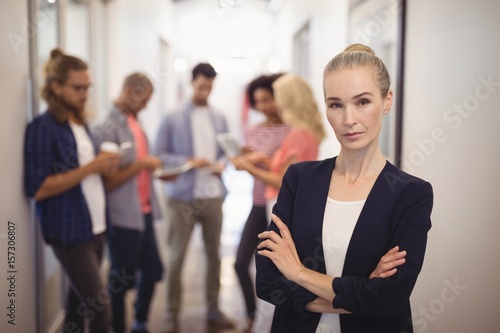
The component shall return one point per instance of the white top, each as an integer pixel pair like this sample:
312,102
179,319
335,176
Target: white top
338,225
92,187
206,184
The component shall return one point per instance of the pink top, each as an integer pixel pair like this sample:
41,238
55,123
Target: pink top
301,145
267,140
144,176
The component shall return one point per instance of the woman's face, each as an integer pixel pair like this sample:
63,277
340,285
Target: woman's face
355,107
264,102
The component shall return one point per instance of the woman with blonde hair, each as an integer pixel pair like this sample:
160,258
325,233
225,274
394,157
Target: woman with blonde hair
295,97
319,263
265,137
296,104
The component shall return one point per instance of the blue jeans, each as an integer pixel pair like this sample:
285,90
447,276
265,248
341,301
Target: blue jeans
133,251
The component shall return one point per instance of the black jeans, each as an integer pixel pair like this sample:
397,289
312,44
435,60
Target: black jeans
132,251
88,297
257,222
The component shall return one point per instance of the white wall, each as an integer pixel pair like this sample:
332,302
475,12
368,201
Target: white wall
328,32
13,203
135,29
452,48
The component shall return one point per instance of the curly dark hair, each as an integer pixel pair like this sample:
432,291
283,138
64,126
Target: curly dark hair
261,82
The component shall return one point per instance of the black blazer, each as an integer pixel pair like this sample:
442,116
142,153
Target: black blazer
396,212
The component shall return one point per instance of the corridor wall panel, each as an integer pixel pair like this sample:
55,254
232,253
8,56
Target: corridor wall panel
17,294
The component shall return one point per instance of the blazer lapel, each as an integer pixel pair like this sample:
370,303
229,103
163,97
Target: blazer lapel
310,201
370,237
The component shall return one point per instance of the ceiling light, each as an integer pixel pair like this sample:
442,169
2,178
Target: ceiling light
180,65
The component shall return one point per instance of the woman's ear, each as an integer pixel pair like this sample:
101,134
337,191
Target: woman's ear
388,102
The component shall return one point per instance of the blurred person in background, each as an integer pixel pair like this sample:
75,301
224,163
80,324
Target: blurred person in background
62,173
132,204
265,138
297,107
188,135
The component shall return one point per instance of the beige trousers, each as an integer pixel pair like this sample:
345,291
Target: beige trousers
181,219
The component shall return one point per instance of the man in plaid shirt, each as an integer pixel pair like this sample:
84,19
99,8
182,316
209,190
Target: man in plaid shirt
62,173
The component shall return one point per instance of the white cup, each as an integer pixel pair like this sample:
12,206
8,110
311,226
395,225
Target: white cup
126,145
110,147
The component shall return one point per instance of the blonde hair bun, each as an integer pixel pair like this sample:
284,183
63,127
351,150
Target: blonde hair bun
359,55
359,48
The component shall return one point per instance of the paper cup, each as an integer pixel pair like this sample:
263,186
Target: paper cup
109,147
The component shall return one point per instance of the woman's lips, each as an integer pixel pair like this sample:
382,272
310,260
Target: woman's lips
353,135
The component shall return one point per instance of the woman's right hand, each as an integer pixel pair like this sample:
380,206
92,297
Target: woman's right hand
256,157
387,265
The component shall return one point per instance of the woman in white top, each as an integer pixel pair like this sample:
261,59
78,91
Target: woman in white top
334,219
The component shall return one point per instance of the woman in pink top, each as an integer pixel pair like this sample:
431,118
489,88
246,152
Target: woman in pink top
295,101
265,138
296,106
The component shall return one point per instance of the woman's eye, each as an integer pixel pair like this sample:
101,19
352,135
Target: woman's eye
334,106
363,102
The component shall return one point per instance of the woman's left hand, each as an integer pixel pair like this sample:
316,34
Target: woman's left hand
387,266
281,250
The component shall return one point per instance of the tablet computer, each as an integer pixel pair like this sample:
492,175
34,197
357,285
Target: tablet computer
229,144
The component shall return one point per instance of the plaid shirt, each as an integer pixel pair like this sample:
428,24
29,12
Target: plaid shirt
50,149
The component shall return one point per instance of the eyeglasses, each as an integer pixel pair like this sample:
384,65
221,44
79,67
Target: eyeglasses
79,88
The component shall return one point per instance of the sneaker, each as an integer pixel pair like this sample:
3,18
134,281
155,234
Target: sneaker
171,325
218,319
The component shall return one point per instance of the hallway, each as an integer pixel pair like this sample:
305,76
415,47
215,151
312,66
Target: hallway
192,319
450,92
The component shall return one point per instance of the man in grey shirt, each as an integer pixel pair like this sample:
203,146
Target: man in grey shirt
131,205
189,135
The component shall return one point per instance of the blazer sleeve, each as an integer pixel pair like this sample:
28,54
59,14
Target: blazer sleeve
271,285
387,298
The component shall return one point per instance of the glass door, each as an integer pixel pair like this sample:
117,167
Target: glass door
45,16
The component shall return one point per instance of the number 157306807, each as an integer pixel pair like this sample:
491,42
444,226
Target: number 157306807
11,245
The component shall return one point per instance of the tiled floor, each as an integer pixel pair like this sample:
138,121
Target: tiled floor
192,318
